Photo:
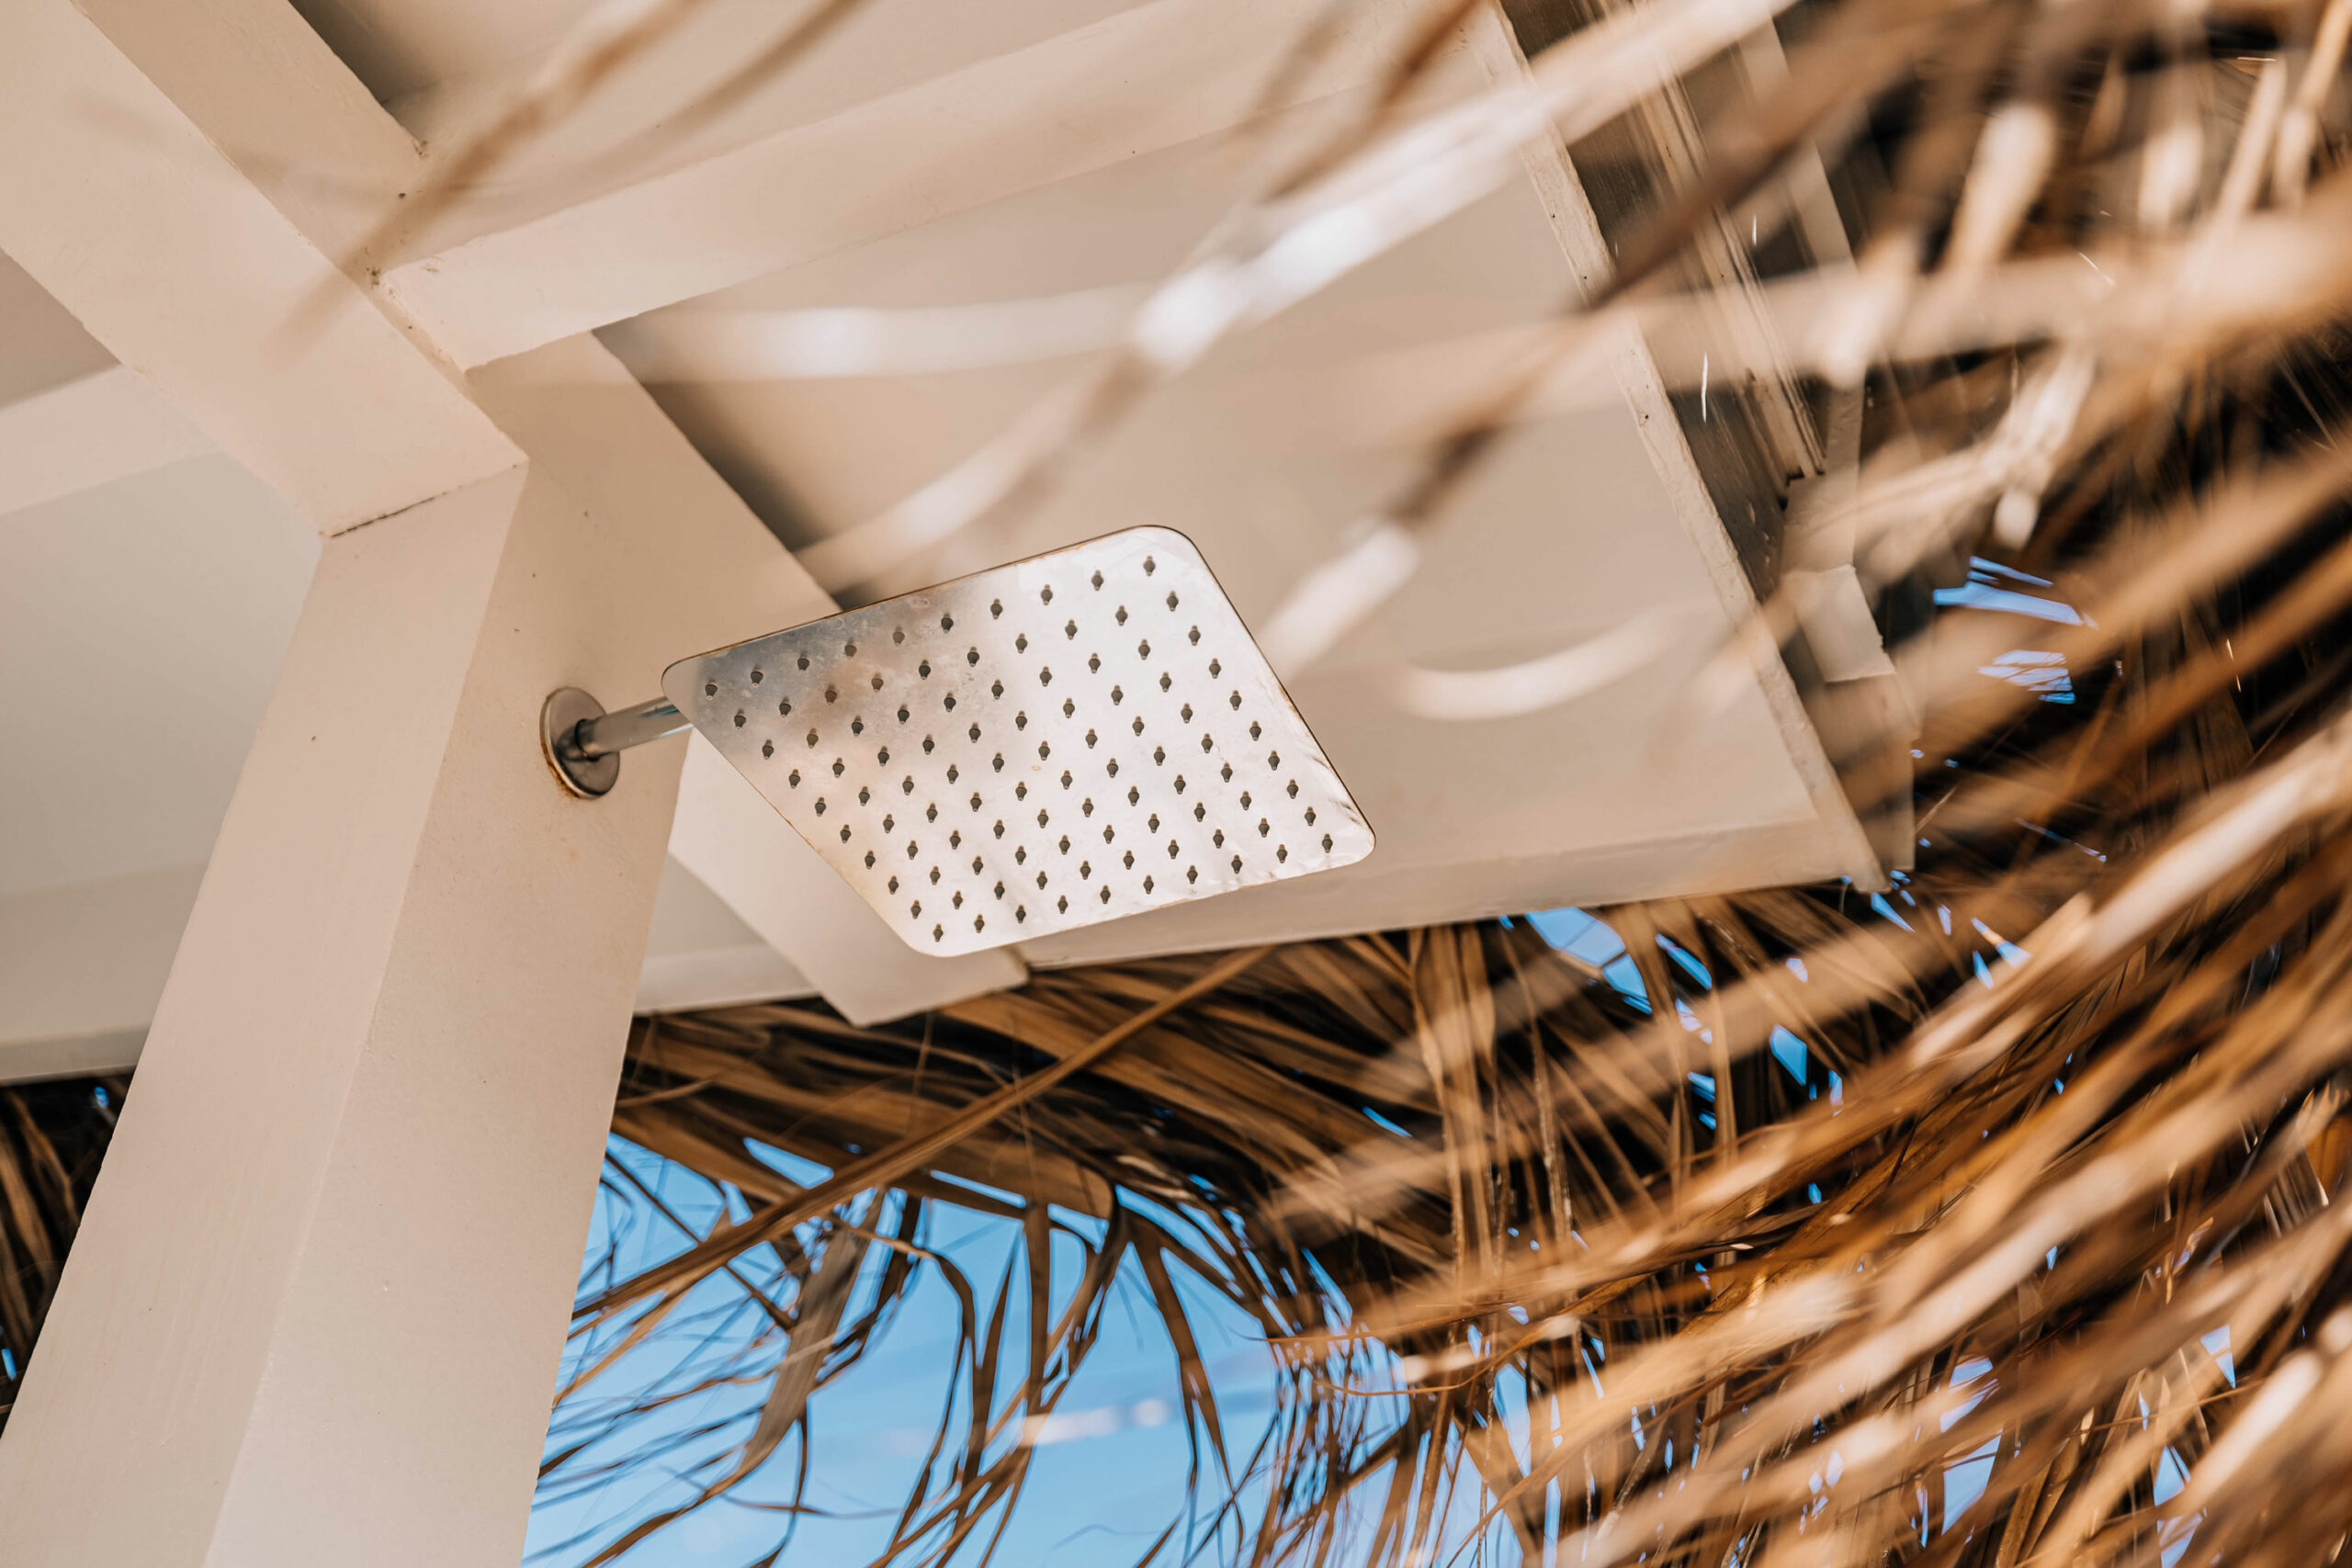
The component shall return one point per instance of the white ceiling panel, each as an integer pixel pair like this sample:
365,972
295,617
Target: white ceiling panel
142,626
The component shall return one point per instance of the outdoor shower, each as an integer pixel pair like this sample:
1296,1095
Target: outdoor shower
1079,736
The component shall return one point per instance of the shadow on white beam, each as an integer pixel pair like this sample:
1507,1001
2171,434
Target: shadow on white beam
845,152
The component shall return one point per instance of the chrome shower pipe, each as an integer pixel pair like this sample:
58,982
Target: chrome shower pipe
582,742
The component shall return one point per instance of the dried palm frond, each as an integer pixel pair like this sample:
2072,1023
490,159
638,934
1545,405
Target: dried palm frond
1992,1221
1792,1229
52,1137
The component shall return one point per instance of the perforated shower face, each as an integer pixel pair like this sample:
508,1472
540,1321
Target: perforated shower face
1070,739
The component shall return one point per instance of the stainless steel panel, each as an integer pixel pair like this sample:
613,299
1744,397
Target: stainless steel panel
1079,736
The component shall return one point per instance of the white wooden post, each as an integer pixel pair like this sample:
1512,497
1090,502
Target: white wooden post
314,1311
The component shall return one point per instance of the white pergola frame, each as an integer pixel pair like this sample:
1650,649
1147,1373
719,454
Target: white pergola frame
316,1306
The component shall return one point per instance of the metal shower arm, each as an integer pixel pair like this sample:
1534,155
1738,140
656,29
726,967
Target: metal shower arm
582,742
639,726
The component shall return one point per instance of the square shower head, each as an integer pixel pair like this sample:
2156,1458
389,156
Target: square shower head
1083,735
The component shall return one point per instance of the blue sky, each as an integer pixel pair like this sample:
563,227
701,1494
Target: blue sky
1108,1477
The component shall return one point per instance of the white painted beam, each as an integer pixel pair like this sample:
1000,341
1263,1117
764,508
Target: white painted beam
341,1222
1733,857
127,210
587,420
71,1056
274,99
82,968
750,971
701,954
88,433
997,112
1576,227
